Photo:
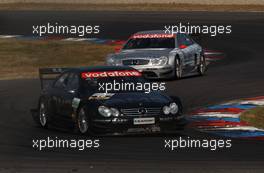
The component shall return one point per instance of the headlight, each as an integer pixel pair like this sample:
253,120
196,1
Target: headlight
166,110
109,60
115,112
113,61
174,108
159,61
107,112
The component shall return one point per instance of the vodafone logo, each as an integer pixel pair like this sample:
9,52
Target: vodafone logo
153,36
123,73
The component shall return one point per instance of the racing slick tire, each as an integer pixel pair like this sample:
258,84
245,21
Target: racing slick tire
178,68
202,67
82,121
43,114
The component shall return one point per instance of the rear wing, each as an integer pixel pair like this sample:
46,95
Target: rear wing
48,75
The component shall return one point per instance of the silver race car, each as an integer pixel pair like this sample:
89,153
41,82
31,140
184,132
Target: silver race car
160,55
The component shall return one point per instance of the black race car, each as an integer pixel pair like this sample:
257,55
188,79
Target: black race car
73,100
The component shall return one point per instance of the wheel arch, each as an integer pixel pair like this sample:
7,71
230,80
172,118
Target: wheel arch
87,106
177,56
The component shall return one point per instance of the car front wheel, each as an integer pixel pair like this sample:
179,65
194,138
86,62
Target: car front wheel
82,121
178,68
43,114
201,69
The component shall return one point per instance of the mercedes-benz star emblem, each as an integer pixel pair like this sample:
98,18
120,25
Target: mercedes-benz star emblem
142,110
135,62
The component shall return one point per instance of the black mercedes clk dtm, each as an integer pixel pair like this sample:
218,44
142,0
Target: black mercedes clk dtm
73,99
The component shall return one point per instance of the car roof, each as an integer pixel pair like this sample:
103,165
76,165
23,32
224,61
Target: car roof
99,68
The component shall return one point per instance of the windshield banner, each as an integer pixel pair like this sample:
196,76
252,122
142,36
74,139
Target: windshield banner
153,36
123,73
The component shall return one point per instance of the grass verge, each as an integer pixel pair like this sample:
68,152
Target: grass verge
130,7
254,117
21,59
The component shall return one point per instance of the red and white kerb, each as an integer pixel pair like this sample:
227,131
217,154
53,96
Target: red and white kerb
153,36
100,74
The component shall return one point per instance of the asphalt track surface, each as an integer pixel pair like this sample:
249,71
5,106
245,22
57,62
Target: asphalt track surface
240,74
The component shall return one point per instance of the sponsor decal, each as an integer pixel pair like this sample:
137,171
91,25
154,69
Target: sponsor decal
76,102
153,36
101,74
101,96
139,121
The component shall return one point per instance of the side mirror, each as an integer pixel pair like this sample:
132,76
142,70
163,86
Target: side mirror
182,46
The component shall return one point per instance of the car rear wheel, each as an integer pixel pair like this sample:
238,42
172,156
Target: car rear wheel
178,68
202,66
82,121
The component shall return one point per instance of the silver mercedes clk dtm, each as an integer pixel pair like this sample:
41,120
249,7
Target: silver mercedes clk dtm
160,55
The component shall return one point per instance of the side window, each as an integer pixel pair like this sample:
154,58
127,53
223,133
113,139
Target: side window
184,39
193,40
188,40
180,39
73,82
62,81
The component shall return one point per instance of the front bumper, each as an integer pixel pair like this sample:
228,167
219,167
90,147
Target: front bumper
155,72
126,125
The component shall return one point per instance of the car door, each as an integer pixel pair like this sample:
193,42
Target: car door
57,94
71,95
197,51
184,46
192,50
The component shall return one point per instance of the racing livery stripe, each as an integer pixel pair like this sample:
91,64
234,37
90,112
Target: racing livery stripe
101,96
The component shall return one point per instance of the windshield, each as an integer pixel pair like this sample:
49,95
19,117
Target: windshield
143,43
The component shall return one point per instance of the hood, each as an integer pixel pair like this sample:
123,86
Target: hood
136,99
143,53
